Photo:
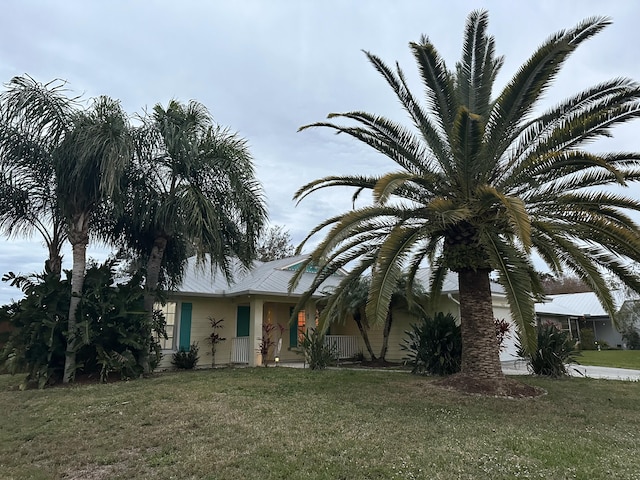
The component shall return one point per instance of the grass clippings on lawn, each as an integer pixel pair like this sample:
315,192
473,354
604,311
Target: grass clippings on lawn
276,423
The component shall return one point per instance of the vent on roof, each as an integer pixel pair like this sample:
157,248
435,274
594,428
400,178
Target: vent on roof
311,268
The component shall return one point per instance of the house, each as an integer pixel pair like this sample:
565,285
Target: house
449,303
575,312
260,296
257,296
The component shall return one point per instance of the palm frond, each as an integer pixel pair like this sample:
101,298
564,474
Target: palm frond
515,275
518,98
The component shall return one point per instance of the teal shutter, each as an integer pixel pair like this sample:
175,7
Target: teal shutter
185,326
293,330
242,323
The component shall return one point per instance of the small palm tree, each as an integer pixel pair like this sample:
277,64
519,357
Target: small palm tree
485,181
350,302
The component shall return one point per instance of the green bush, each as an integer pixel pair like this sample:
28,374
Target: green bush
632,338
434,346
186,359
113,328
317,353
555,350
587,339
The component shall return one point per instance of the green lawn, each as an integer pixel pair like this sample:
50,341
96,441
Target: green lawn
280,423
611,358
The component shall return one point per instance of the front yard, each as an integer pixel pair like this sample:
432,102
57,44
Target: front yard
611,358
277,423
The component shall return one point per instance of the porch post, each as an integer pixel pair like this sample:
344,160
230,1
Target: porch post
255,331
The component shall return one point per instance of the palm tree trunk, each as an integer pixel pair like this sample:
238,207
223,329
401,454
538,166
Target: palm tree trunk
54,245
79,238
385,336
150,294
480,352
363,332
53,265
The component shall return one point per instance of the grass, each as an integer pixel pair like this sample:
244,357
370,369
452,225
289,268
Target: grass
611,358
280,423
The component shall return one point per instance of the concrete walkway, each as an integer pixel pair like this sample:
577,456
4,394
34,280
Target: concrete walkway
519,367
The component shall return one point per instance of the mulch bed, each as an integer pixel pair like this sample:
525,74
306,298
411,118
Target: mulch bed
501,387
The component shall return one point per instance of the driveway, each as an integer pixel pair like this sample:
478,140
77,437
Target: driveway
519,367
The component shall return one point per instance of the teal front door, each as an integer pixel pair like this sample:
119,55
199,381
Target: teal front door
185,326
242,323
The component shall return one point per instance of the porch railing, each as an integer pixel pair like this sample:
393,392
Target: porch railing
240,350
345,345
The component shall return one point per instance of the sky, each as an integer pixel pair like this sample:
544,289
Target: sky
265,68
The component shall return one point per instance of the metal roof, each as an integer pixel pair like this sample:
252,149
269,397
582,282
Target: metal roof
264,278
575,304
272,278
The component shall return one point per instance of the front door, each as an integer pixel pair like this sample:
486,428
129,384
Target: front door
242,323
240,345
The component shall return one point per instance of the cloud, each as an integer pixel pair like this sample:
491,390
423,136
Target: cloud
265,68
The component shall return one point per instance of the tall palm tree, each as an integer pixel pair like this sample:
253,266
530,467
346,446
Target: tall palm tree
28,138
89,164
191,189
484,182
61,162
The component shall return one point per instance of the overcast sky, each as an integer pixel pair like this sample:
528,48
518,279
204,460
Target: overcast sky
264,68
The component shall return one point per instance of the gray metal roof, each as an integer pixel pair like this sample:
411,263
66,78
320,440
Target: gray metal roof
450,283
265,278
272,278
575,304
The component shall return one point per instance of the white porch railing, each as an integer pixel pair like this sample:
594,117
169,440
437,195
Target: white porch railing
345,345
240,350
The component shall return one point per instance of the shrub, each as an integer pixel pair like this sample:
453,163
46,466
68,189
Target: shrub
214,337
502,331
587,339
266,342
359,357
632,338
434,346
113,328
317,353
186,359
555,349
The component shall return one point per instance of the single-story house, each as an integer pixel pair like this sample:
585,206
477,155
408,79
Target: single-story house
259,296
573,311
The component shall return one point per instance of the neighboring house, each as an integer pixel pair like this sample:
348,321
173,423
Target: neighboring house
575,311
260,296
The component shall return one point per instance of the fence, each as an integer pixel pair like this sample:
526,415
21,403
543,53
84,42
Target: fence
240,350
345,345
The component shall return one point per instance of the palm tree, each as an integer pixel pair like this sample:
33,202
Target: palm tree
351,300
60,162
90,162
28,138
484,182
191,189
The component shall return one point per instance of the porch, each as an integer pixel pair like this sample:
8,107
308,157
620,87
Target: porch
346,346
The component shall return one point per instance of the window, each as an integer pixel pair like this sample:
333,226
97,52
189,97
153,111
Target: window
301,325
296,333
169,312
